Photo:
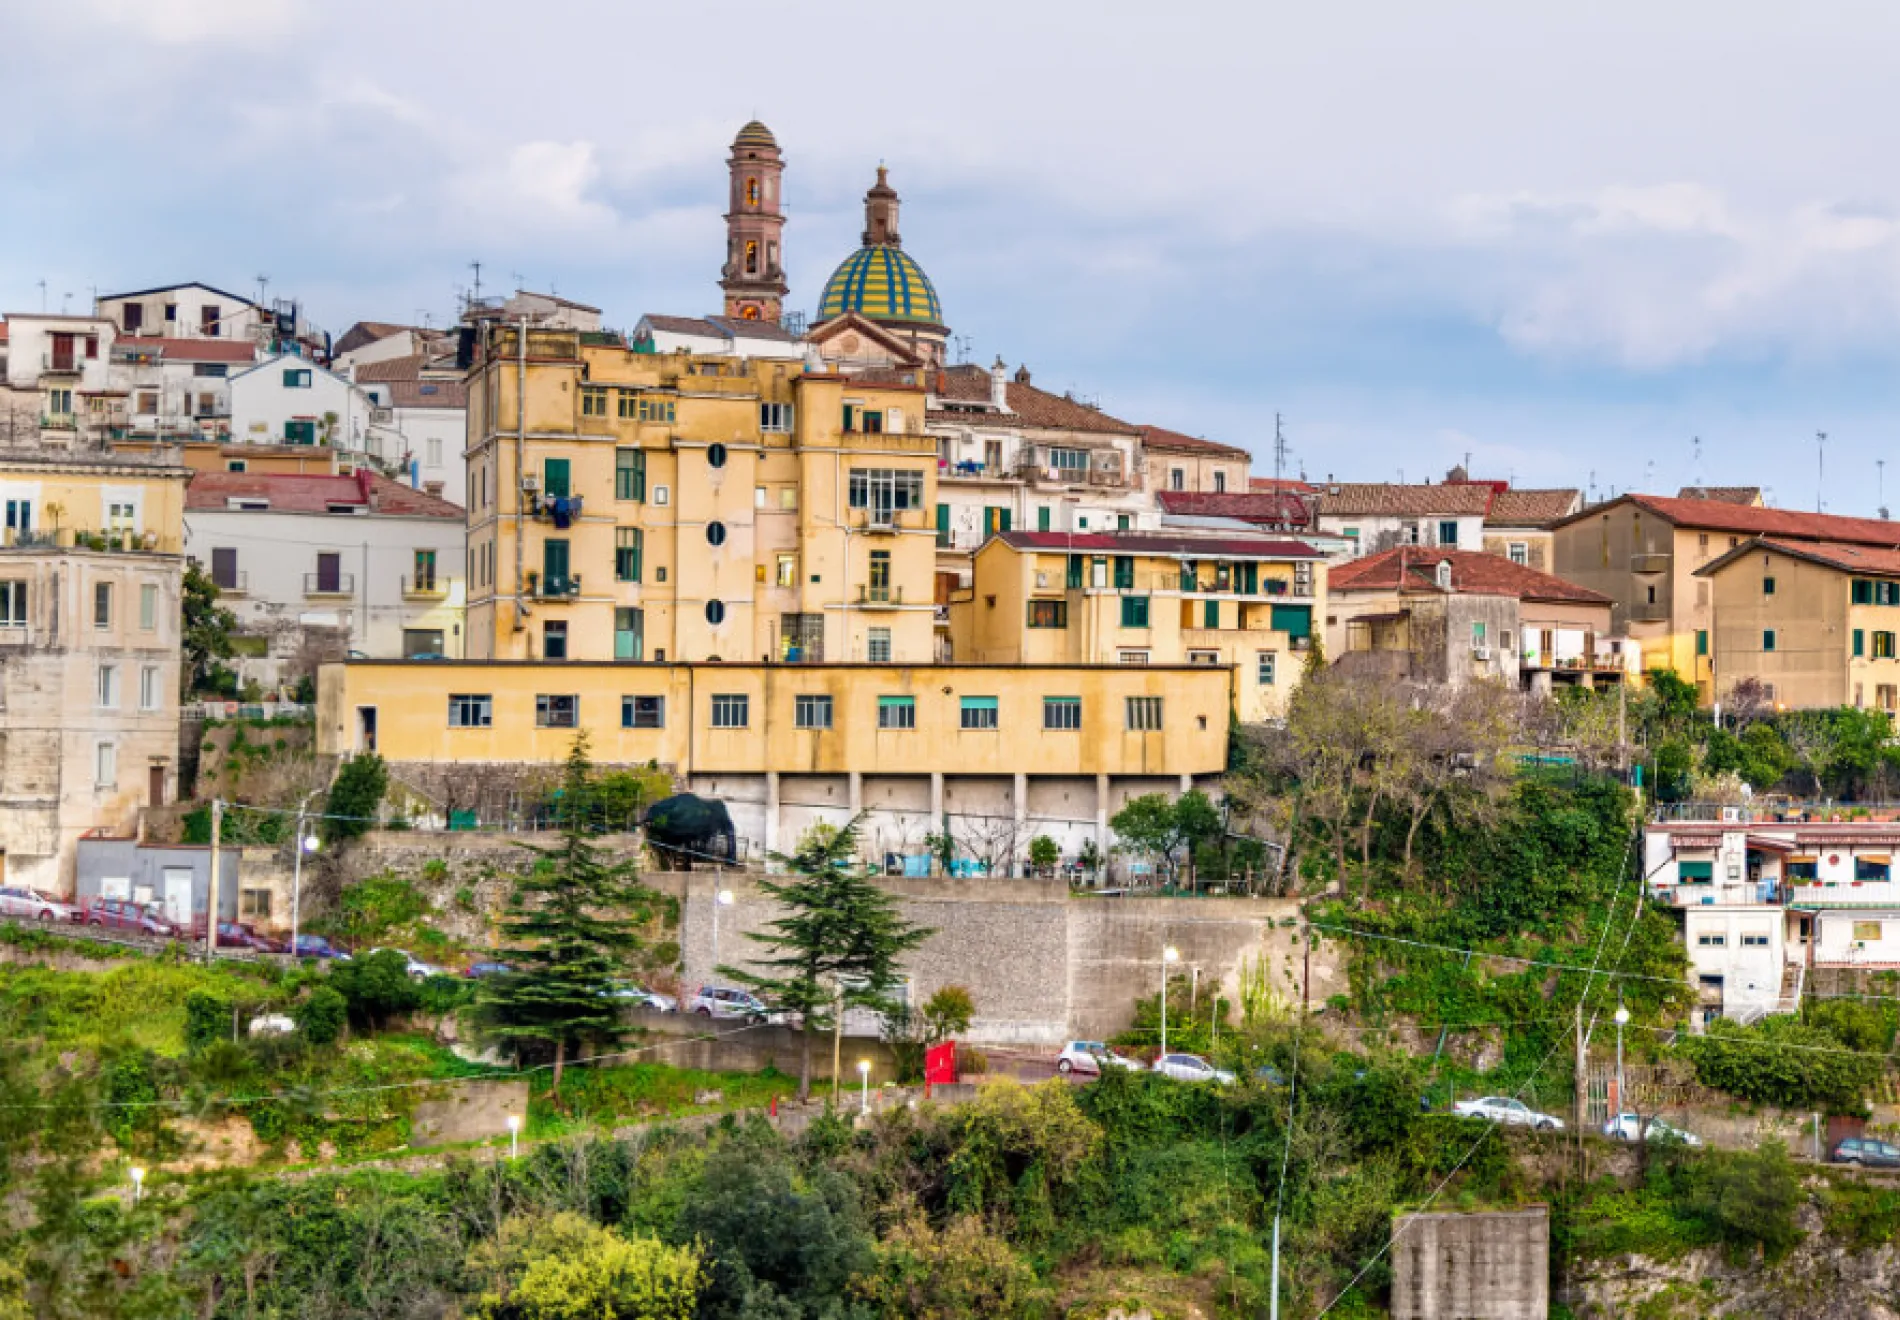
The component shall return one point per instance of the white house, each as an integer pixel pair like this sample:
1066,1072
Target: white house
370,557
185,311
57,377
1378,516
419,421
715,335
290,400
178,388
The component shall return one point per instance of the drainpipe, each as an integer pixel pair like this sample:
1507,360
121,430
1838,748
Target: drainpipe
521,458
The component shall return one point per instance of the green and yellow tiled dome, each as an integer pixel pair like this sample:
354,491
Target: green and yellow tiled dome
881,283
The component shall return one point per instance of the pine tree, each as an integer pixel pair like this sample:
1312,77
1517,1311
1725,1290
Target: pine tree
573,919
838,943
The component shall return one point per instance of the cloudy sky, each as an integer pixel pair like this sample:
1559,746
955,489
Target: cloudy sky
1563,243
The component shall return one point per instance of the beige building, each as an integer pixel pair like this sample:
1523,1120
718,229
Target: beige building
1517,524
1180,462
91,565
1813,621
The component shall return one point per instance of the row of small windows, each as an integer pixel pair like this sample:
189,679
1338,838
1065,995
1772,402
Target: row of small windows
1866,592
14,604
632,406
733,710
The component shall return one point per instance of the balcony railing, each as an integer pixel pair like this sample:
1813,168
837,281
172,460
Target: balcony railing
329,584
59,422
1649,563
429,588
868,595
556,588
1649,612
556,508
62,366
232,584
889,520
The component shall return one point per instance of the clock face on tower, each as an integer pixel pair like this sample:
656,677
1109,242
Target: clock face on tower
750,312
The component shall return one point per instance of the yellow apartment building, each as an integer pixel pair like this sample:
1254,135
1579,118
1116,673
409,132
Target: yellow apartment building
1243,604
994,754
91,573
1816,622
676,507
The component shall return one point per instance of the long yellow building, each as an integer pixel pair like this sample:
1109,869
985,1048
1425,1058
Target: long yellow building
676,507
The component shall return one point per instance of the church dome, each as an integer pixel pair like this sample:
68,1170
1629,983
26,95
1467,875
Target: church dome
881,283
755,134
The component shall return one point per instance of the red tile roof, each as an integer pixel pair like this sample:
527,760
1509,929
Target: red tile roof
1722,494
190,350
297,493
1282,483
1530,508
1376,499
409,388
1150,543
1029,406
1159,437
1718,516
1878,561
1415,568
3,332
1248,506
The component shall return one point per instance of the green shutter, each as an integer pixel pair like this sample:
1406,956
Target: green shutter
1002,520
554,476
1863,592
1042,518
554,565
943,524
1860,642
1075,571
1134,611
1210,614
1293,620
1702,641
1187,575
1687,871
1250,579
1124,572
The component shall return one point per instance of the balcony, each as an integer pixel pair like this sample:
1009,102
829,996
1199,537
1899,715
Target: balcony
1648,563
554,588
59,422
232,584
329,584
38,538
888,442
1649,612
429,588
875,597
560,510
889,521
62,364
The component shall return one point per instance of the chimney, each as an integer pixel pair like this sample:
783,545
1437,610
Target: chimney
1022,374
999,386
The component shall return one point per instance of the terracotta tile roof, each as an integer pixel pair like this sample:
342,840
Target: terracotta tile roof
1877,561
1248,506
1415,568
190,350
1150,543
295,493
1030,407
366,332
1159,437
3,332
683,325
402,368
1722,494
1389,500
409,388
1282,483
1531,508
1716,516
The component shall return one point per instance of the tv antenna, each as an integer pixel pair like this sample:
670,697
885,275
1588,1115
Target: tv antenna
263,290
476,296
1820,469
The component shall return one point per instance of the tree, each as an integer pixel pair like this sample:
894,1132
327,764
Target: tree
568,1268
573,917
1044,853
375,987
838,942
355,796
1153,824
911,1032
206,629
1814,742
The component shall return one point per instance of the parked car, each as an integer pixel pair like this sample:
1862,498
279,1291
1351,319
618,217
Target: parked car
19,901
124,914
315,946
1191,1068
641,997
715,1001
1867,1151
417,969
477,971
1624,1127
1268,1075
1088,1058
1503,1109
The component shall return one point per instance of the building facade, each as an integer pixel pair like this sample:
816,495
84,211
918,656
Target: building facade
1188,464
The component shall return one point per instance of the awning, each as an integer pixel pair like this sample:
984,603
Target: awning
1695,870
1763,843
1881,858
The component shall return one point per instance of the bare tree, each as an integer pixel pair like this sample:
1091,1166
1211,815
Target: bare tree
1815,743
1748,702
992,842
1457,741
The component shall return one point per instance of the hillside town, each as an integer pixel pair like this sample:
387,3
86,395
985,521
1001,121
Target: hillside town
1492,813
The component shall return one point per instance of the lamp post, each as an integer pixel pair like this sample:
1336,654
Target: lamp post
137,1175
864,1081
1622,1016
1169,956
721,898
514,1136
306,843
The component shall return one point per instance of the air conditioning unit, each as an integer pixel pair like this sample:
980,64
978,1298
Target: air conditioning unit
529,481
1042,580
1731,815
1480,653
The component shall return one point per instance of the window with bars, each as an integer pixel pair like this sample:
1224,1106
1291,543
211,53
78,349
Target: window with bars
1265,665
811,712
1144,713
1062,713
731,710
471,710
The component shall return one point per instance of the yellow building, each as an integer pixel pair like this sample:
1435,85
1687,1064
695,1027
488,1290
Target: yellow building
678,507
996,754
1813,621
91,568
1245,604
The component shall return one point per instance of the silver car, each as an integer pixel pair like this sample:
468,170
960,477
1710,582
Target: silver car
32,905
1191,1068
641,997
1505,1109
1624,1127
716,1001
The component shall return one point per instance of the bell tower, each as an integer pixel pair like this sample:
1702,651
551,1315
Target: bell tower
754,274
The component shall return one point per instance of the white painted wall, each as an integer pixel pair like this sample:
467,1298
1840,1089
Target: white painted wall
262,404
1751,972
30,349
1373,530
237,318
1849,938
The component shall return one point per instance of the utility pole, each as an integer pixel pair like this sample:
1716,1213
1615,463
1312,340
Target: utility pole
1580,1076
211,888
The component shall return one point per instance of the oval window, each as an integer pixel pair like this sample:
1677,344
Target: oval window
715,611
716,533
716,455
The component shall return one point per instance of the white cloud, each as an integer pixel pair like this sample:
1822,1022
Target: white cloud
540,187
199,22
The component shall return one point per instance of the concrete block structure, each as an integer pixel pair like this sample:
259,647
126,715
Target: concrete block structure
1494,1265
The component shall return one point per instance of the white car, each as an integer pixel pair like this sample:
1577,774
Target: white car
1503,1109
1191,1068
641,997
1087,1058
1624,1127
19,901
716,1001
417,969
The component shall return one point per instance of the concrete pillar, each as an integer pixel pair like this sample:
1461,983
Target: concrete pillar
1187,783
771,811
936,801
1101,822
1019,804
856,792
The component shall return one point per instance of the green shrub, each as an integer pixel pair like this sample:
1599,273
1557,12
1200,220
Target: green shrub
445,994
1781,1061
321,1016
355,797
207,1019
376,987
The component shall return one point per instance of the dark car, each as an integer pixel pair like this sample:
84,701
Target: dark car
1867,1151
123,914
315,946
477,971
241,935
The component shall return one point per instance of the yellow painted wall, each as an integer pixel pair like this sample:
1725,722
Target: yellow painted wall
1627,553
71,497
1809,613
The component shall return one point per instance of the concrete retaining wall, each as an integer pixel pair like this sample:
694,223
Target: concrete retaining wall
1492,1266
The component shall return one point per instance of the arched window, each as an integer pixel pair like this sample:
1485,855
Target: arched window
752,256
752,192
1444,574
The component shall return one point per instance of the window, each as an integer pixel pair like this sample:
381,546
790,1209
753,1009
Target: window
556,474
554,639
425,570
148,606
105,766
657,410
1063,713
1048,614
434,451
593,401
882,490
108,687
1124,572
1520,553
775,417
1767,586
877,646
1177,479
1768,639
557,712
1144,713
133,316
978,712
1131,657
1043,517
643,712
1220,482
715,612
102,604
469,710
1867,930
1872,868
897,712
715,455
811,712
1134,611
1264,665
627,554
1702,641
12,604
1752,940
1883,646
1210,614
1069,461
254,903
149,690
730,710
555,562
785,570
296,379
1448,532
880,576
1802,871
630,474
1477,632
629,633
1712,941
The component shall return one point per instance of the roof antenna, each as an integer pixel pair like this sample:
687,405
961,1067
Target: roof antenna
476,297
1880,479
42,297
1820,469
1696,444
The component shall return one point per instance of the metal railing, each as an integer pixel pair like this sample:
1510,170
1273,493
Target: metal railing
64,366
239,583
429,588
329,584
869,595
556,588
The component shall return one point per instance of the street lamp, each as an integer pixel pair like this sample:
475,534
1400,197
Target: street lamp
1622,1016
864,1079
1169,956
137,1175
722,898
514,1136
306,843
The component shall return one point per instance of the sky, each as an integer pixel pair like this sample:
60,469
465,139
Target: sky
1565,242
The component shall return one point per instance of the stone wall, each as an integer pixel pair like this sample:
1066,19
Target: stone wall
1490,1266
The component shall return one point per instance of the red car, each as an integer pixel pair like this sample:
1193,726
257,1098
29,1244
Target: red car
238,935
123,914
